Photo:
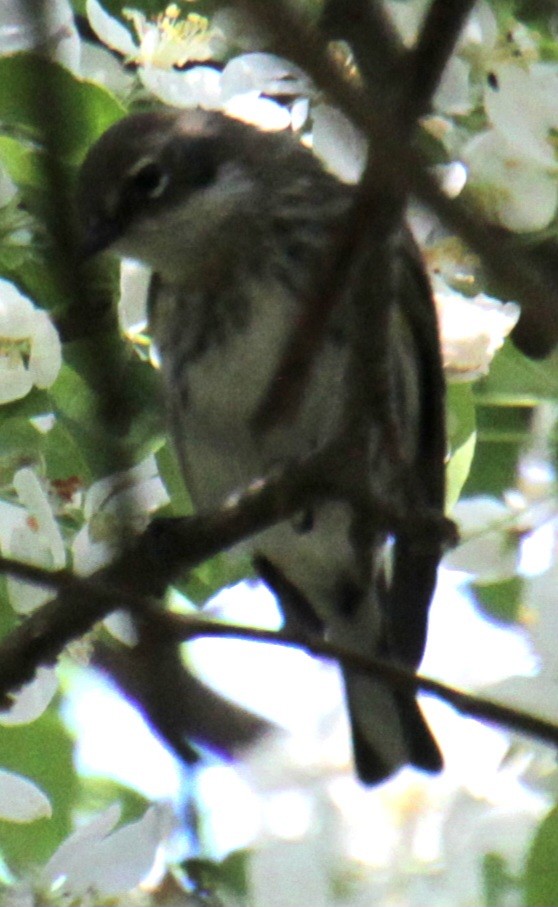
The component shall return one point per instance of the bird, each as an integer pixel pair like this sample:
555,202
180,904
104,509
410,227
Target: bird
238,225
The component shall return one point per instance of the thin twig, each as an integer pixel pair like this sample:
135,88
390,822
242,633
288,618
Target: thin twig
182,628
428,59
521,274
187,628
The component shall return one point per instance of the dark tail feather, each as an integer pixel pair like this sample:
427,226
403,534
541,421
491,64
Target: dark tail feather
397,735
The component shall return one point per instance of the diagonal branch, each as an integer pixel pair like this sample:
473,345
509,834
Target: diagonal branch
179,628
428,59
141,573
186,628
522,275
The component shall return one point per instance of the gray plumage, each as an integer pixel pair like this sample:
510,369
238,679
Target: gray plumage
237,226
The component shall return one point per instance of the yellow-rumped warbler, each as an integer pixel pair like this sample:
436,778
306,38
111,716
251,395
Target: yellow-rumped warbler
238,226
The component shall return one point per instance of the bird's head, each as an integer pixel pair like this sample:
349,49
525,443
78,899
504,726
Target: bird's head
170,187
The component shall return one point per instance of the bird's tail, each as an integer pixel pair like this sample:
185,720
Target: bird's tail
388,729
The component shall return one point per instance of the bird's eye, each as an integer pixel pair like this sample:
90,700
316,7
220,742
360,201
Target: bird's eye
148,178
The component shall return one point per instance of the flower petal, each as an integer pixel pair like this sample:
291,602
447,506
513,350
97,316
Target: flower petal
46,351
21,800
109,30
197,87
32,700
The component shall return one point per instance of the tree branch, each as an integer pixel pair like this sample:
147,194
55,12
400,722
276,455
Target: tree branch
186,628
429,57
169,627
520,272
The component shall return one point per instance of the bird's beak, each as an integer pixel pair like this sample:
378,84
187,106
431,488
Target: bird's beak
98,234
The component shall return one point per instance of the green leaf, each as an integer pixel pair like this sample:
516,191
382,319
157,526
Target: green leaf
42,752
462,439
234,874
20,445
63,456
96,794
230,874
8,618
75,404
210,577
500,601
497,880
541,876
35,403
169,470
79,111
502,432
515,380
23,163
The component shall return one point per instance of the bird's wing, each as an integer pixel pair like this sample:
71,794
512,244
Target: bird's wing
415,561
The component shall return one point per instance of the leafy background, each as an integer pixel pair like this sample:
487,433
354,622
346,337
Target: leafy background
494,429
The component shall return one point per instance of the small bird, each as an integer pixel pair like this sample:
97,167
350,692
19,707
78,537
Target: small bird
238,226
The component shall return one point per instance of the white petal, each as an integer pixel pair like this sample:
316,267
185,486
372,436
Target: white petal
406,17
485,552
541,596
289,874
99,65
16,312
109,30
46,351
451,177
454,94
33,699
263,73
340,145
125,858
299,113
481,27
536,695
25,598
21,800
197,87
518,115
32,496
78,852
122,627
135,278
514,191
261,112
88,555
19,895
19,30
15,381
11,518
530,203
471,329
102,492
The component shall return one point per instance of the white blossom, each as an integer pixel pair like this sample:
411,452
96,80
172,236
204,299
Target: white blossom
21,800
35,538
19,30
487,549
96,860
135,278
30,351
474,828
125,499
32,700
515,191
165,41
340,145
472,330
237,90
